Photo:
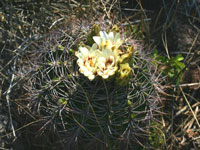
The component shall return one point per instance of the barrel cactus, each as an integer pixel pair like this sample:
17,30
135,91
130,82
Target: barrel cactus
91,90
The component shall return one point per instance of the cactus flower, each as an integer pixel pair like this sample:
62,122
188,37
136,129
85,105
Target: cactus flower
124,73
108,41
87,61
103,57
126,56
107,63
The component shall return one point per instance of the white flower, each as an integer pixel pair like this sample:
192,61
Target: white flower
107,63
109,41
87,61
102,58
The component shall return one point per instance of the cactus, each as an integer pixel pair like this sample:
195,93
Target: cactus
91,112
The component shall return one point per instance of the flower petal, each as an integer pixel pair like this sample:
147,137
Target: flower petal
97,39
83,50
111,36
103,35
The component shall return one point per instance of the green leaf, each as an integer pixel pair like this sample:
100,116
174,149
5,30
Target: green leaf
178,69
179,57
171,74
180,64
155,53
154,62
161,59
134,30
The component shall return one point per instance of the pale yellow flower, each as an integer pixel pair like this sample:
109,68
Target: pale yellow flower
87,61
124,70
107,63
124,73
108,41
125,57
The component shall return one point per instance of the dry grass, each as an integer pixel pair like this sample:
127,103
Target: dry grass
173,29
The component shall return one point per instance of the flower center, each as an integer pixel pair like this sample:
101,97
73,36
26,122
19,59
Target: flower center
109,62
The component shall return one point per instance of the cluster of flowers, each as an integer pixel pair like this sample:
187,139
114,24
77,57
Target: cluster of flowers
104,58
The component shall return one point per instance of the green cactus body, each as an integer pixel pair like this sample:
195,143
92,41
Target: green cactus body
87,114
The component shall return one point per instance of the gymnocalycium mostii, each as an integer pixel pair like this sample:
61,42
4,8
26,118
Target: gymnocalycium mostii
99,93
107,62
